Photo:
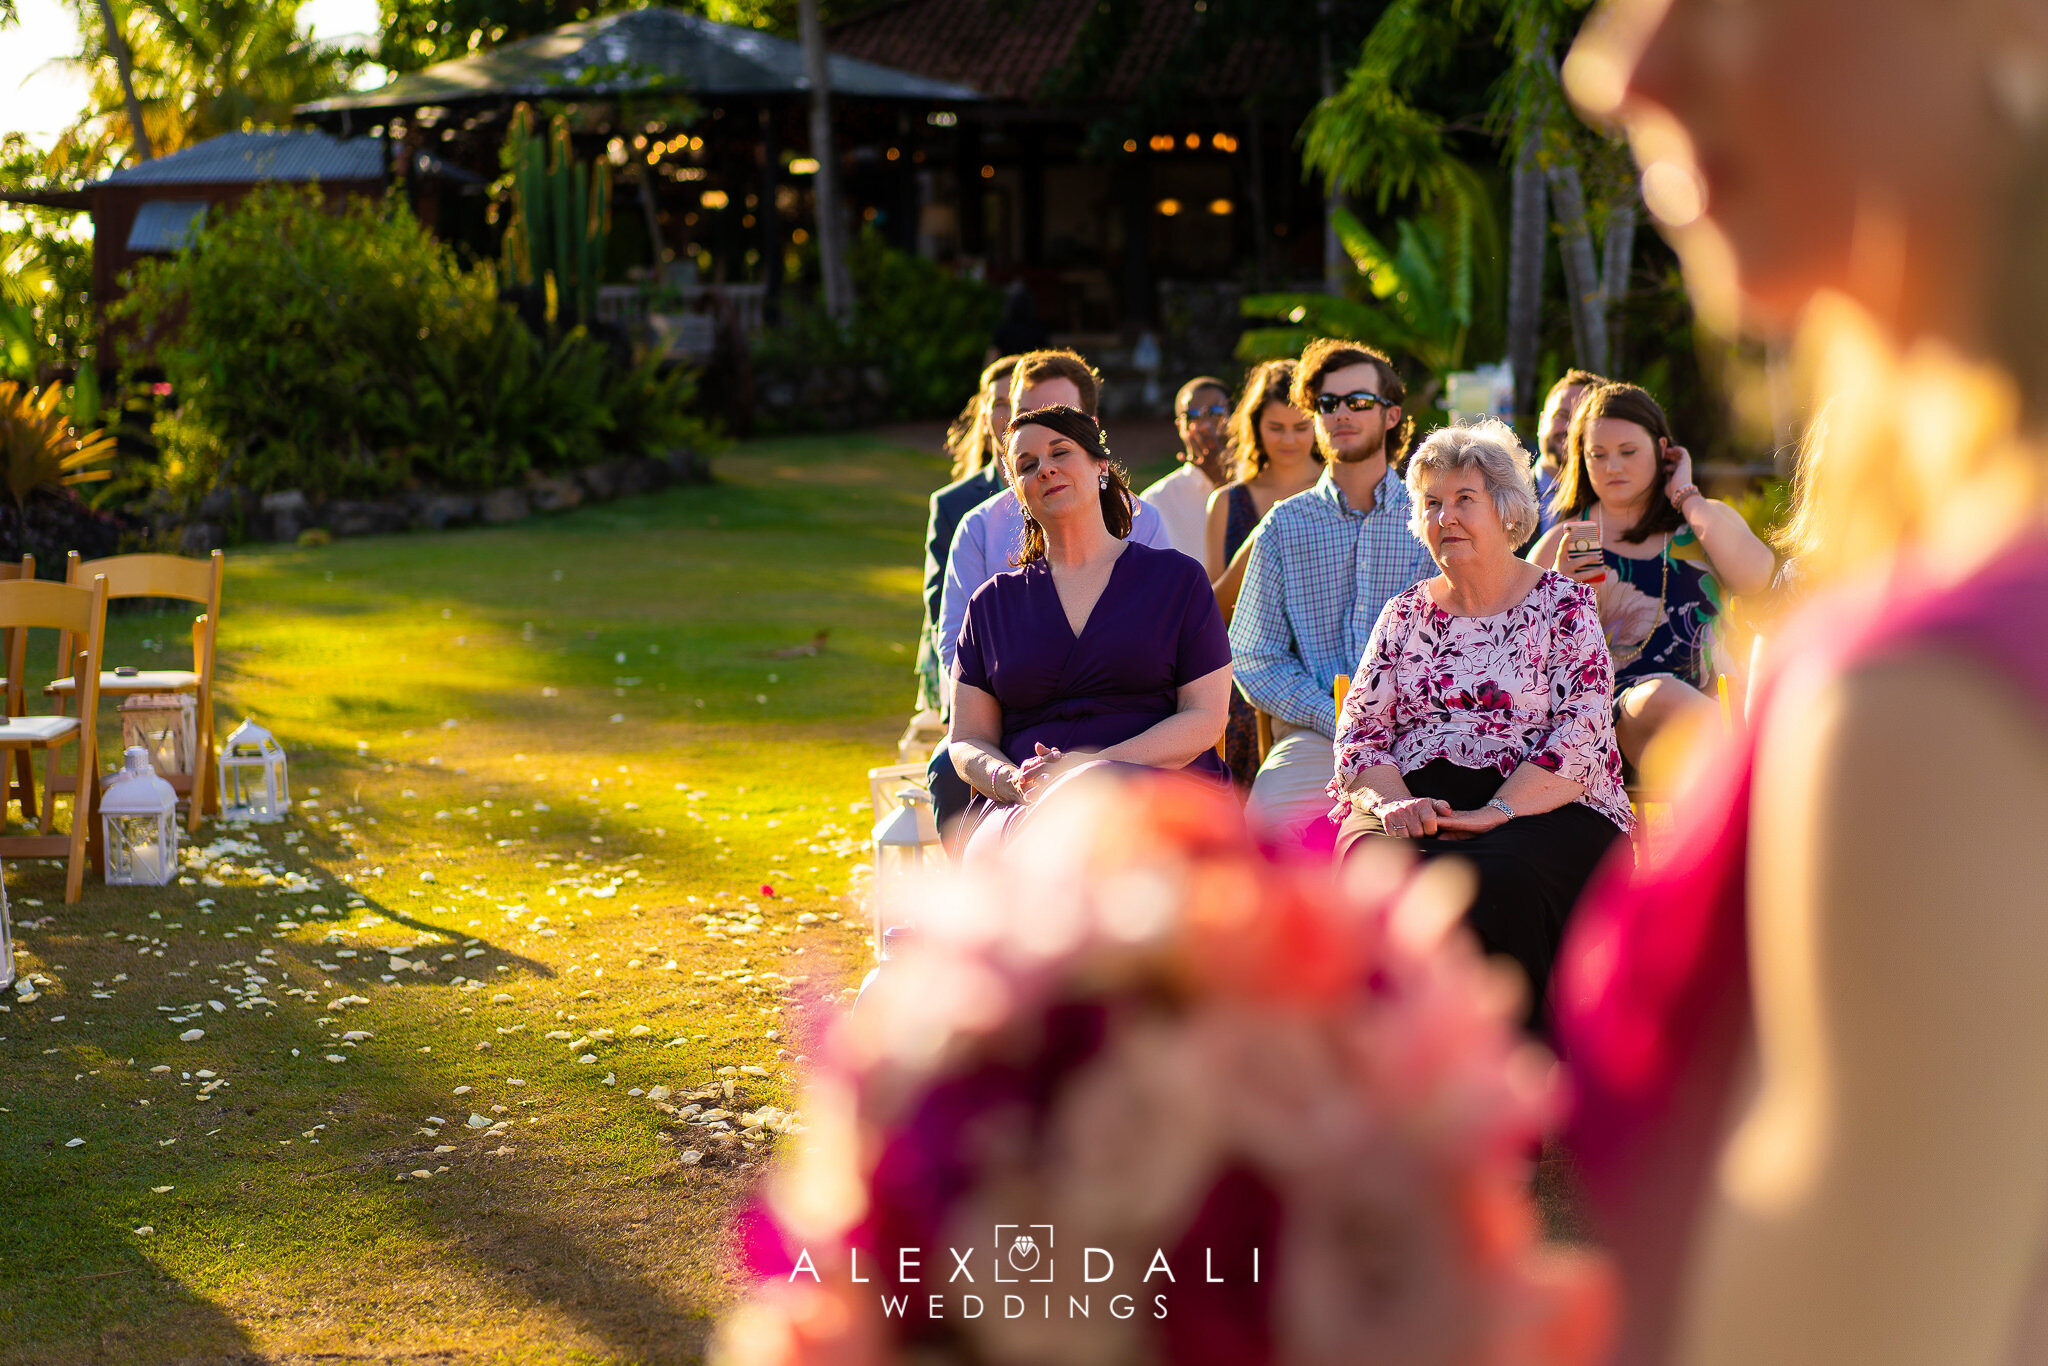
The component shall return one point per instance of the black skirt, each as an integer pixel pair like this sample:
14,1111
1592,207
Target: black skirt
1531,869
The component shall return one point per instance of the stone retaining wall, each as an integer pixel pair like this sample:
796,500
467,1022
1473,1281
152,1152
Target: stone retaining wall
290,514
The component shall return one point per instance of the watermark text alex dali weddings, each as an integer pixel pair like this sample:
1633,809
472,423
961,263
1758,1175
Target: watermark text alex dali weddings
1022,1255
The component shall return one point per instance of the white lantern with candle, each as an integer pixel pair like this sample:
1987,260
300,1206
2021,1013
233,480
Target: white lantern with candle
165,724
903,840
253,783
139,821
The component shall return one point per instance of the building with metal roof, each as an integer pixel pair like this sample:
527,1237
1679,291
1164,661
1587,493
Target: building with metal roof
641,52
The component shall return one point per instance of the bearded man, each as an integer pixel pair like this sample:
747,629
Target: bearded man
1322,564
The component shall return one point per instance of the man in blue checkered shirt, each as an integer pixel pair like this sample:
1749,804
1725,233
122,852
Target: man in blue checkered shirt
1322,565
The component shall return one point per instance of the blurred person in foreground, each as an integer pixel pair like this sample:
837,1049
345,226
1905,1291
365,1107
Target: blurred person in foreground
1478,722
1273,457
1320,567
1181,499
1094,648
976,476
1810,1042
1662,556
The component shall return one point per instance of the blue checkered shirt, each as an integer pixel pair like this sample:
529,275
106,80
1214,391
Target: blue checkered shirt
1315,582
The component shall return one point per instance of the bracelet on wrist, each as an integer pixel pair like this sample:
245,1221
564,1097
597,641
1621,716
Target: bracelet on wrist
1684,496
1502,807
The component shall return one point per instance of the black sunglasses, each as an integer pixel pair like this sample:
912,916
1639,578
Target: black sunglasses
1358,401
1213,410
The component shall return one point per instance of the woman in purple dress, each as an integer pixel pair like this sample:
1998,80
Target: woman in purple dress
1094,648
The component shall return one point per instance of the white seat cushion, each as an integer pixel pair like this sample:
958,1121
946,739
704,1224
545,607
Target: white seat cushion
146,680
43,728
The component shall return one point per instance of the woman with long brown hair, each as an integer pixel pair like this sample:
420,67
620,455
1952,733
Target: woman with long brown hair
1273,456
1660,555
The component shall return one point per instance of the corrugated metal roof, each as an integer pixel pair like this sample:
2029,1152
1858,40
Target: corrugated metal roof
244,158
641,51
289,155
166,224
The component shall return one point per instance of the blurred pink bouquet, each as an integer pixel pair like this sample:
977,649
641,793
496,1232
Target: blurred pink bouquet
1141,1095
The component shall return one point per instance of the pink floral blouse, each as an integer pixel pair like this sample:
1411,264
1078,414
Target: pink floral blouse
1533,684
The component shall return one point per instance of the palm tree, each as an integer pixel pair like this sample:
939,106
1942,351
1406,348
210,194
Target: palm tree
1375,133
199,68
124,66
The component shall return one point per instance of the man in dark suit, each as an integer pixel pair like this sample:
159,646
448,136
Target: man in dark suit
977,477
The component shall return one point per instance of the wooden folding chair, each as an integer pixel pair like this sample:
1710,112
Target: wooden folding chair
21,782
164,576
79,615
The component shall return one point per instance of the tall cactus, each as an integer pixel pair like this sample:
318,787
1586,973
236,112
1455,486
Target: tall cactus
562,216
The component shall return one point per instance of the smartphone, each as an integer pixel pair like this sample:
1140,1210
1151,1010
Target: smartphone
1582,543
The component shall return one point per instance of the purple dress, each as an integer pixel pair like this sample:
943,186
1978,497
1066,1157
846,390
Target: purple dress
1155,627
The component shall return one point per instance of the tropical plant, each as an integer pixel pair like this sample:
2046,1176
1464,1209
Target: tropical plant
40,451
197,68
1380,131
562,215
1422,299
926,329
348,353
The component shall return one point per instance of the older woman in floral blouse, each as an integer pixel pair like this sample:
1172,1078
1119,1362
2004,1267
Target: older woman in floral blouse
1479,722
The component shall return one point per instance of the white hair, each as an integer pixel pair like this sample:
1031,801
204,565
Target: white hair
1490,446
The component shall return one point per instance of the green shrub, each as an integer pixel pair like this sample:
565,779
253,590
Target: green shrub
927,329
347,352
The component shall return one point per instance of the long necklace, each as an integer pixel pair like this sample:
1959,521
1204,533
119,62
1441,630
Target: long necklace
1663,588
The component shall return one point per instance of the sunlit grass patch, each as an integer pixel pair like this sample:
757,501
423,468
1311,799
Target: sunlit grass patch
561,798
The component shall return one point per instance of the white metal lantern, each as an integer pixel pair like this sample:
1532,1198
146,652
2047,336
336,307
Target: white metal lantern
253,783
904,840
166,725
139,815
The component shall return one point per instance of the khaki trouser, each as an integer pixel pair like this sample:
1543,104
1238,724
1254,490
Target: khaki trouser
1288,792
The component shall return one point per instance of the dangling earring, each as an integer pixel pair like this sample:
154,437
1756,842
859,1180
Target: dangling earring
1102,482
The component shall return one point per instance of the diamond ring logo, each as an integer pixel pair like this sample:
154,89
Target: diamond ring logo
1023,1252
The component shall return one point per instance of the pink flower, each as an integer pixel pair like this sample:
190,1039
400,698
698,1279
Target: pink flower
1141,1037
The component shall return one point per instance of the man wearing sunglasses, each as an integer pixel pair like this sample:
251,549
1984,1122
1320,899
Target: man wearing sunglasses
1321,566
1201,411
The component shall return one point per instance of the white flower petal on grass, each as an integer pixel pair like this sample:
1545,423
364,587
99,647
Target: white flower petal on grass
145,1231
478,1122
162,1190
74,1143
337,1057
192,1036
610,1079
658,1093
588,1058
638,1030
501,999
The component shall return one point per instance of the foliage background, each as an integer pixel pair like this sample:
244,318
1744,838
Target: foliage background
349,352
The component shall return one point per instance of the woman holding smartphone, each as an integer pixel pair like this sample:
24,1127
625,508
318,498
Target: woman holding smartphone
1660,556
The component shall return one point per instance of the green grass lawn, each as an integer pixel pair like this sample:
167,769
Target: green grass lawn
559,760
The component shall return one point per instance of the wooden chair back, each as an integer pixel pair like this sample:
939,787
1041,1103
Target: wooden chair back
15,649
162,576
77,613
